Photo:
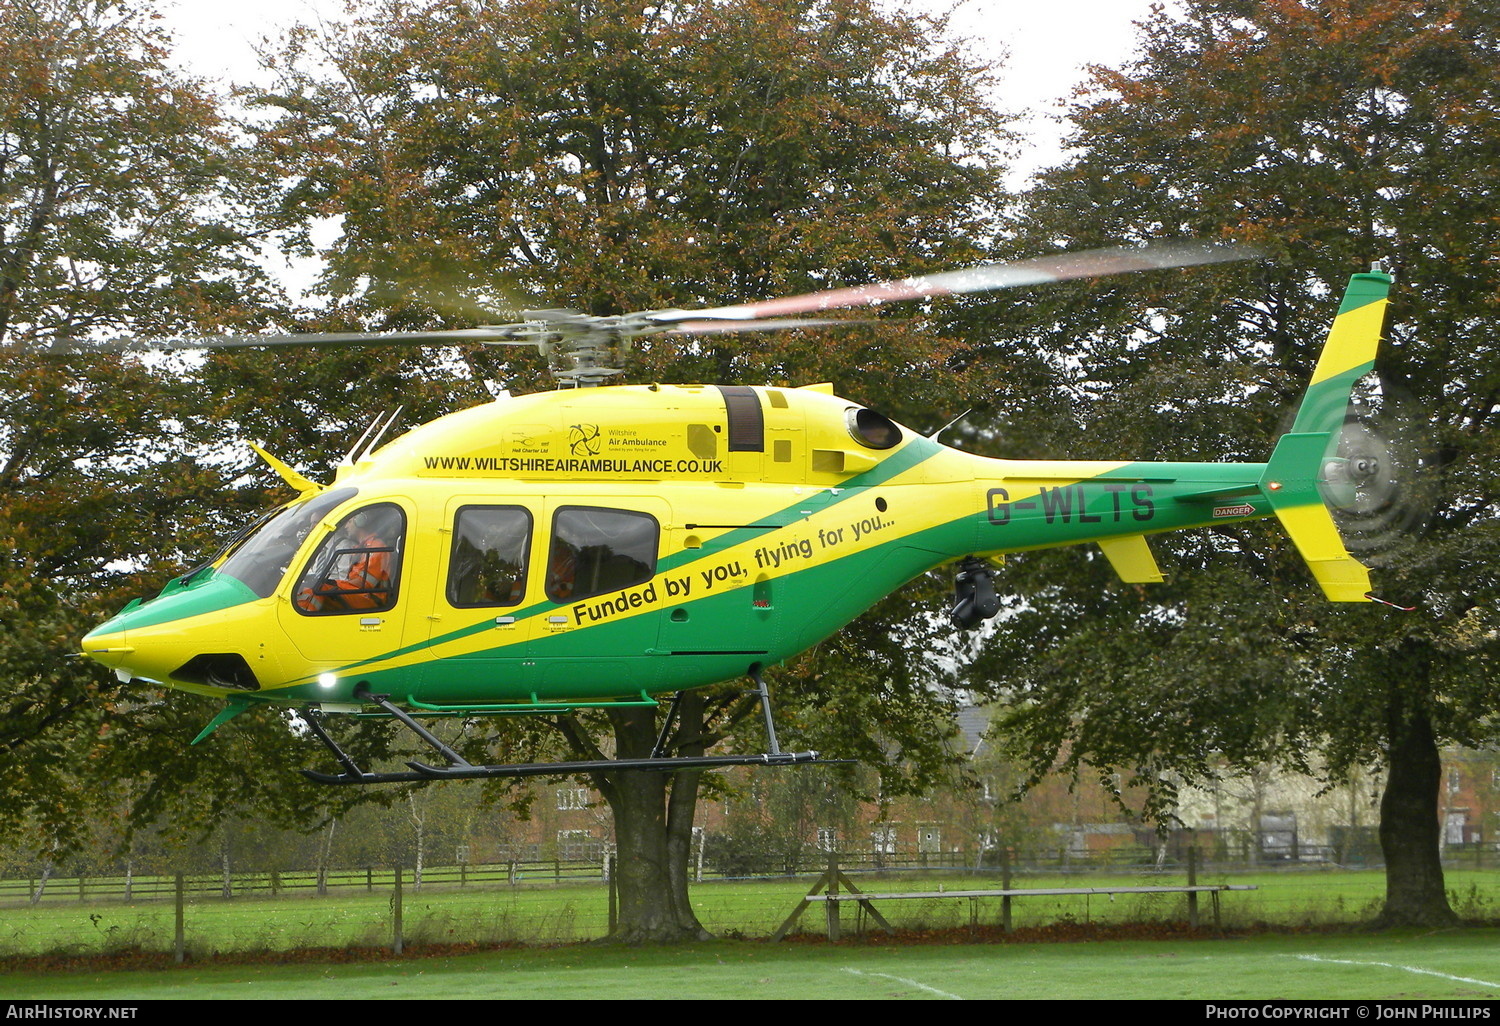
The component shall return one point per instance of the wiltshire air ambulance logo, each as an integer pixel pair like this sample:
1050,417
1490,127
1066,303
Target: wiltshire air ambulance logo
583,439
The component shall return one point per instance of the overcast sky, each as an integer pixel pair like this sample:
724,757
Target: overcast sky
1049,42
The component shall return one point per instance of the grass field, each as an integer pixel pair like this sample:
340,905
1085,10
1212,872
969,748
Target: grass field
1448,965
245,948
578,912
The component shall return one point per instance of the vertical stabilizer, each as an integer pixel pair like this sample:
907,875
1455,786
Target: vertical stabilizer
1298,467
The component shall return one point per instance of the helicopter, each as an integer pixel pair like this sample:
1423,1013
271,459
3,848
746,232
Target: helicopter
605,545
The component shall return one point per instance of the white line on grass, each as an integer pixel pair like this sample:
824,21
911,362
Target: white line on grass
909,983
1406,968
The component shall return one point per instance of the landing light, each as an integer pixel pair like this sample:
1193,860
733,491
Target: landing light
327,680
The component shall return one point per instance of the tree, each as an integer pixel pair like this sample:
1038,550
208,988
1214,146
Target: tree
1332,134
612,156
129,208
135,206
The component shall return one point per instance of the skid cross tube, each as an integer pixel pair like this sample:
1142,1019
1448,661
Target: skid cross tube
351,768
659,749
765,708
459,768
454,759
352,773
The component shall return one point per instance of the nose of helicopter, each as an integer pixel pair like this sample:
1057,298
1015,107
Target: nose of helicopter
109,644
164,639
130,653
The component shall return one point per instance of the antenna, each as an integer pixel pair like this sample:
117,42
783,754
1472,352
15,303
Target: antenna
381,433
933,437
348,460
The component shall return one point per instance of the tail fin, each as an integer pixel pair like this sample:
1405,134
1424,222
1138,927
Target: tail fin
1296,468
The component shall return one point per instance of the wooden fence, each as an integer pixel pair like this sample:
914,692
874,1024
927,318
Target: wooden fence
545,872
295,883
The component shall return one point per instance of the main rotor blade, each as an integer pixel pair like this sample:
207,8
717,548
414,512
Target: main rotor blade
781,324
502,334
598,341
1095,263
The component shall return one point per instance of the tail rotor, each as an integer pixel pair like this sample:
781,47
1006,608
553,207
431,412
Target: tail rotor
1377,481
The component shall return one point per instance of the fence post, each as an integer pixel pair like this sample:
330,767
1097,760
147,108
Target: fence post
833,893
398,945
614,892
1192,860
179,946
1005,886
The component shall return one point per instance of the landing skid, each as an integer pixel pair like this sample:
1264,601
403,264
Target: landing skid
459,768
468,771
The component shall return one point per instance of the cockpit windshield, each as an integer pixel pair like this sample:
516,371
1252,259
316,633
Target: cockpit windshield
261,560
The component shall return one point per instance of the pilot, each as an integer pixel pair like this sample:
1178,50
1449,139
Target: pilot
363,583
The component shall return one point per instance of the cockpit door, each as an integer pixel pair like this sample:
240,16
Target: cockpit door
345,606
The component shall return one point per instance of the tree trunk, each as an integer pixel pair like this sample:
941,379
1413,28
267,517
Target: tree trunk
682,806
419,823
41,884
652,812
1409,829
324,855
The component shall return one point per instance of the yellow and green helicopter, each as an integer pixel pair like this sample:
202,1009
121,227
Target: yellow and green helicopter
611,546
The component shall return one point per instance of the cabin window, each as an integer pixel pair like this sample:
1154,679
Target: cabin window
357,568
261,560
488,563
872,429
595,551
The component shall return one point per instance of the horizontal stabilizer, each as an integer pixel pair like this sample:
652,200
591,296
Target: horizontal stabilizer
1131,557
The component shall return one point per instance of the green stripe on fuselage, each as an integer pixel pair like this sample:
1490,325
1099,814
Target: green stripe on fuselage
813,602
208,594
915,452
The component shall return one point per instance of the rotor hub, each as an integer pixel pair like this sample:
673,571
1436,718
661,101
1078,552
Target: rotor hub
1363,468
